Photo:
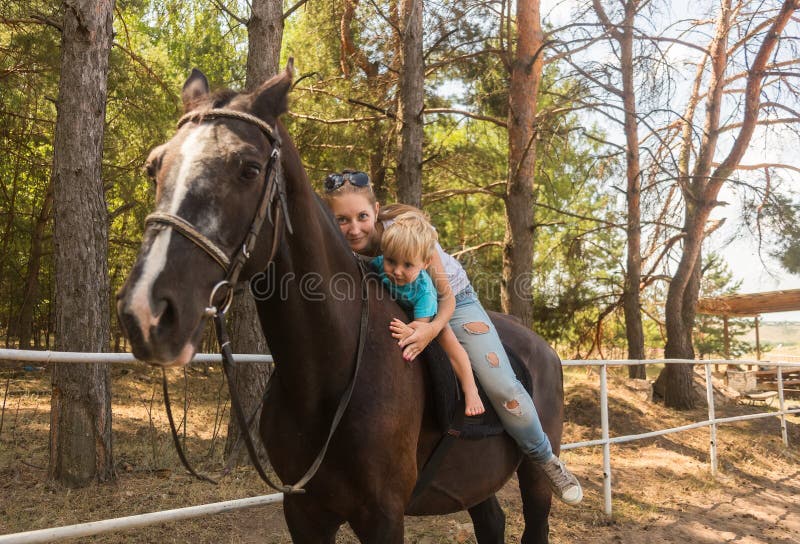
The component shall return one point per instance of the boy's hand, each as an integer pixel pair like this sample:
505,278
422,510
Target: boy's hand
400,330
412,337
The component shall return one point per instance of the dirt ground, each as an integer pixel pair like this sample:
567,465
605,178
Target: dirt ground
662,487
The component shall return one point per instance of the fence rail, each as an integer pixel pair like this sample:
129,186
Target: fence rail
141,520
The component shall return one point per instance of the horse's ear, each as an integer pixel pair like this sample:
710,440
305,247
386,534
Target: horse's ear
194,90
271,98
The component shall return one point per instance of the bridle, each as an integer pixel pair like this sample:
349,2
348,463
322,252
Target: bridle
273,188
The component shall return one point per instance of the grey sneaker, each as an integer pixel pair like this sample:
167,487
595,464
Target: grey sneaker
564,484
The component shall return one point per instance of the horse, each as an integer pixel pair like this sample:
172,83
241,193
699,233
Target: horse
210,181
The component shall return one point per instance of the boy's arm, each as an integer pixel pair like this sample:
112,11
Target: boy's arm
402,330
424,333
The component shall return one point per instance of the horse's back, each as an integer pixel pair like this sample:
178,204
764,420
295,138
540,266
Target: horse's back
474,470
544,364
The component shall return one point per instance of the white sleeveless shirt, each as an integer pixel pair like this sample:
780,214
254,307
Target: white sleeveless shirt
456,275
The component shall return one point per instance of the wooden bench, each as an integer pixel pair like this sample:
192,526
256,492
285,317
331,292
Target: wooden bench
754,398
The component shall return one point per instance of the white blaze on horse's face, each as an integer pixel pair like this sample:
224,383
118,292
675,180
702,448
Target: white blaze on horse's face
192,150
208,179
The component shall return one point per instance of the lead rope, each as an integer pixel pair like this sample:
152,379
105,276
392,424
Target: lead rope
175,437
272,188
223,341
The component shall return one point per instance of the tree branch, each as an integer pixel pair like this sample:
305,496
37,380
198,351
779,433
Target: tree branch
763,165
472,249
336,121
294,8
224,9
479,117
443,194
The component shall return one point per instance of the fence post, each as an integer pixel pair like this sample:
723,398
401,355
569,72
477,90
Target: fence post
606,443
784,434
712,420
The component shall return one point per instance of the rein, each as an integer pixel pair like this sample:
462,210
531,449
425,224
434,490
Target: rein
272,189
228,362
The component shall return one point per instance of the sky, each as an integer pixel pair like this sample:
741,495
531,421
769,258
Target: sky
757,273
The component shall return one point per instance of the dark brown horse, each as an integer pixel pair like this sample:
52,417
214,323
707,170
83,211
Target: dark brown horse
211,175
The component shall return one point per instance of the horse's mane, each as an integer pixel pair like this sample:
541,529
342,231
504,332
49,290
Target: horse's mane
222,97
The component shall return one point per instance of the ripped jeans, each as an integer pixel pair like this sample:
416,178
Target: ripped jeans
511,401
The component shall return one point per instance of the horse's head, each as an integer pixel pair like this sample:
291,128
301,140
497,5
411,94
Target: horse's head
212,187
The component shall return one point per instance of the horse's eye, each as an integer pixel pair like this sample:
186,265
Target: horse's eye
150,171
251,171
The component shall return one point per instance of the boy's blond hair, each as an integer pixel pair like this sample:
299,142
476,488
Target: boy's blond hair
410,236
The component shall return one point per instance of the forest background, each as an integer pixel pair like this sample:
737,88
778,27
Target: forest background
615,122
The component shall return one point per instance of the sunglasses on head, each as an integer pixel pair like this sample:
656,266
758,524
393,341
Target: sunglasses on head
334,181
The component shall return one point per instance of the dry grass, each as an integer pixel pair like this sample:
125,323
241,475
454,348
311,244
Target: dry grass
663,490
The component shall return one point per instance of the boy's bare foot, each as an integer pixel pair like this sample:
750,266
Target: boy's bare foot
474,406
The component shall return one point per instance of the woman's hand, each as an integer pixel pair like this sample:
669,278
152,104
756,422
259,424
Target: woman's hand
413,337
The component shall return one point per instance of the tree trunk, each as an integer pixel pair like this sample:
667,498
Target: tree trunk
526,73
675,382
31,296
700,197
8,235
264,34
376,139
631,297
80,413
250,379
410,104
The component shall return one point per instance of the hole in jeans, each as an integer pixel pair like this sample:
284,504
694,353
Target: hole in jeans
494,360
513,407
476,327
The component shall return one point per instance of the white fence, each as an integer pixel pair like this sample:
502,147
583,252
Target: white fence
711,422
97,527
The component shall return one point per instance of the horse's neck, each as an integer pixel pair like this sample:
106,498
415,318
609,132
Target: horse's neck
311,320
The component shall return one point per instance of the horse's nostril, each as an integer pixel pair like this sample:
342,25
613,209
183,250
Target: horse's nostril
159,308
165,314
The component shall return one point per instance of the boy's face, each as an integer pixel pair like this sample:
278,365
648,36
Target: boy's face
403,271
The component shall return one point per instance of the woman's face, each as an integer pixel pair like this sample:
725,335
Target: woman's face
356,218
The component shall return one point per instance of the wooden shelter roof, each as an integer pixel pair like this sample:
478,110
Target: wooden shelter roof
751,304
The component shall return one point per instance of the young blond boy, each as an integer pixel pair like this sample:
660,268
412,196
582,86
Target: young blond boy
407,246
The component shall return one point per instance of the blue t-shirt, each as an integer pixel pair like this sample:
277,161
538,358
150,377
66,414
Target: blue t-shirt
419,296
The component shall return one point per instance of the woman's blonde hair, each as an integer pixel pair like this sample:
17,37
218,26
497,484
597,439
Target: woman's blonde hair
410,236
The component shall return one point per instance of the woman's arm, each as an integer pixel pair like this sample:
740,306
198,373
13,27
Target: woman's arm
424,333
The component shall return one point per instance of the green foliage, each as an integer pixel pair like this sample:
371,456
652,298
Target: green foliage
709,334
341,115
780,220
29,58
156,45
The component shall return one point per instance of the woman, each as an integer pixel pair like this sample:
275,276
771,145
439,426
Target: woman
359,216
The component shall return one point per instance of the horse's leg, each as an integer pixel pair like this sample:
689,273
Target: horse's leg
379,526
536,496
489,521
309,524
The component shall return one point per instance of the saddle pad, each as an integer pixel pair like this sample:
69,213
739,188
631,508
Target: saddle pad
448,397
